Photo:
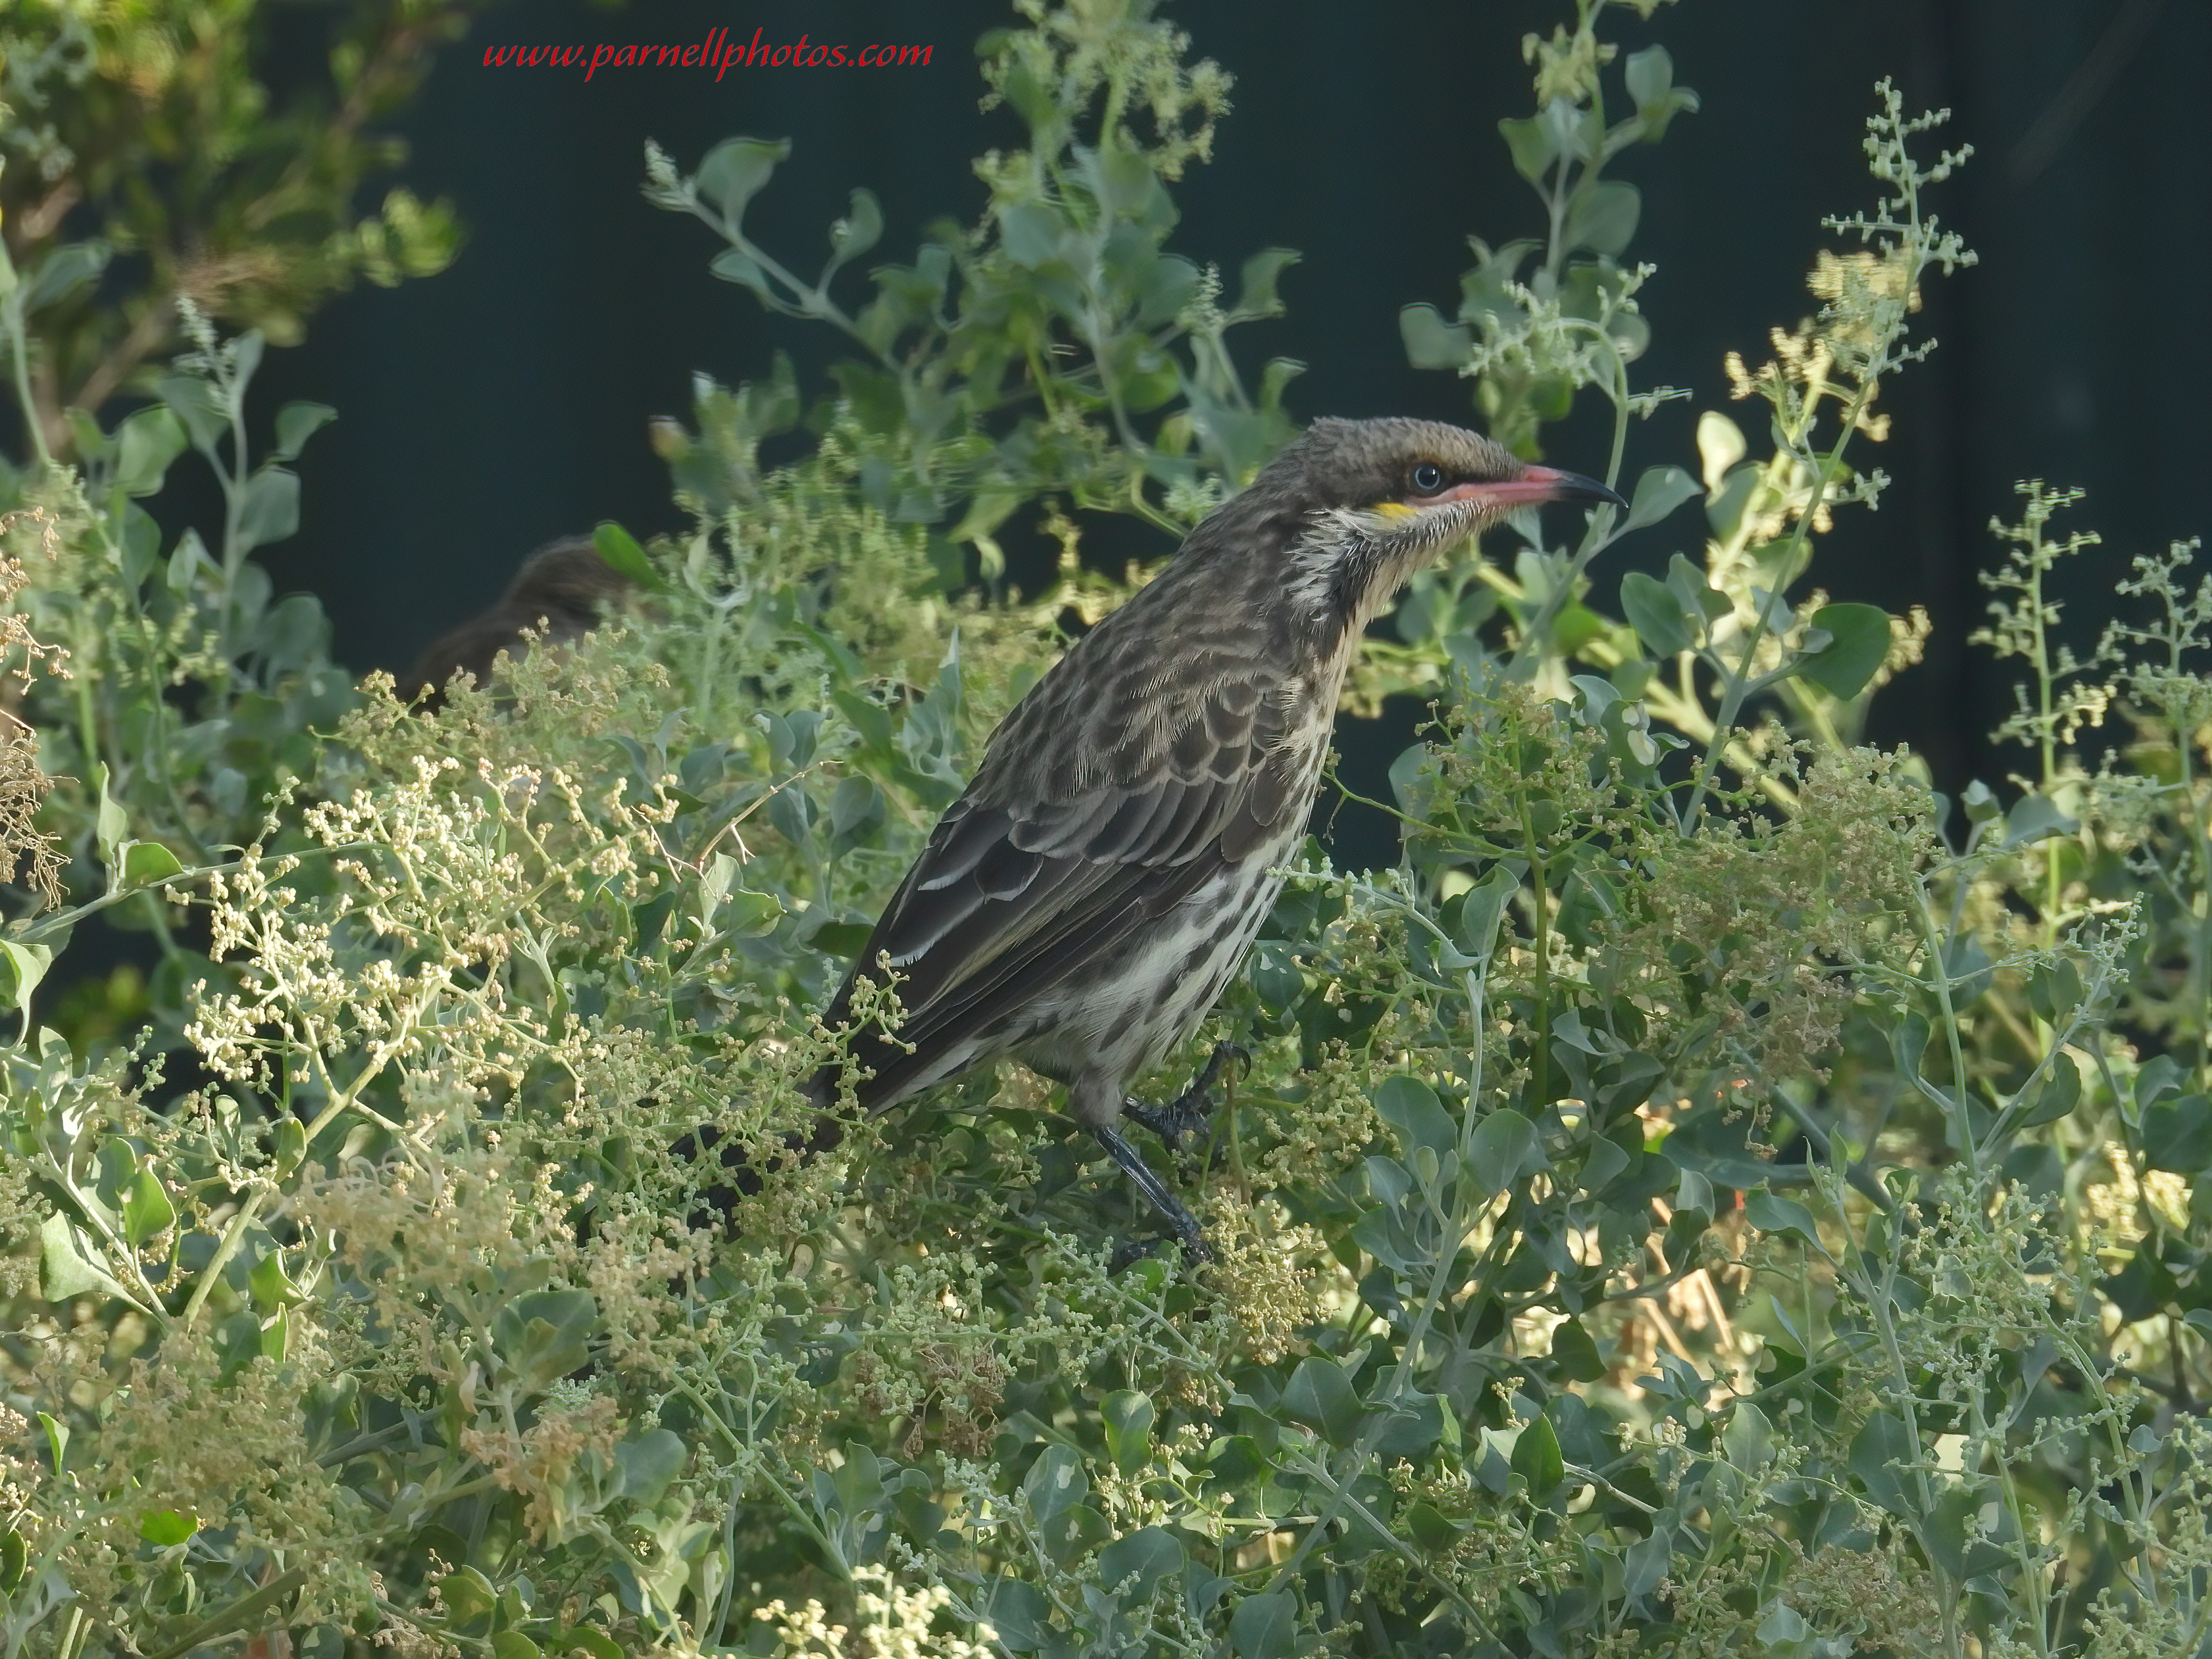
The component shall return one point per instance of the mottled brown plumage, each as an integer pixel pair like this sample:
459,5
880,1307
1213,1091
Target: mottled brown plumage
561,592
1084,903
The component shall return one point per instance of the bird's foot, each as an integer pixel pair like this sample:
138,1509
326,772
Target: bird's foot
1127,1254
1191,1111
1156,1190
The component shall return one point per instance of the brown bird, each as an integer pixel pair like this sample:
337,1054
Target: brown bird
562,591
1084,903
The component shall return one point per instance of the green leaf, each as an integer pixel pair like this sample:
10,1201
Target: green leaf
619,551
1575,1352
291,1145
1773,1213
2177,1133
1256,296
468,1593
111,823
271,1286
1482,908
1020,1614
734,171
1784,1630
1659,491
1858,642
1033,233
145,862
271,512
297,423
1749,1437
842,940
1537,1460
166,1528
2158,1077
63,272
734,265
145,445
146,1208
546,1335
1411,1107
1321,1396
15,1560
1534,145
1418,1424
64,1269
1261,1626
1655,614
1128,1418
587,1639
748,915
1055,1481
1431,342
188,561
1073,1532
1151,1553
648,1463
2058,1095
2055,990
1687,583
2034,819
513,1644
861,230
1603,216
1504,1149
1649,74
198,406
1879,1455
21,967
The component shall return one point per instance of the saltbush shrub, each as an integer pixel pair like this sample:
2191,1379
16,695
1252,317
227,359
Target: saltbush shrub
1713,1195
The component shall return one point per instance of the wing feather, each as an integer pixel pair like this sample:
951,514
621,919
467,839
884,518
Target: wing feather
1053,856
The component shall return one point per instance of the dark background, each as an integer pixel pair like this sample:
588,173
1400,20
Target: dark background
505,402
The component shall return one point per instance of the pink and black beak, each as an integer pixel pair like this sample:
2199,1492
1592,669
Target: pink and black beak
1536,483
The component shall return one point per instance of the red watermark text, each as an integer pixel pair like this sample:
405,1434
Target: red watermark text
720,51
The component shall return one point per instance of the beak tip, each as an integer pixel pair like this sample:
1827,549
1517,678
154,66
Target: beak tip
1574,487
1562,486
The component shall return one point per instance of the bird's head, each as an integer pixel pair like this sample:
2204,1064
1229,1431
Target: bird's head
1362,505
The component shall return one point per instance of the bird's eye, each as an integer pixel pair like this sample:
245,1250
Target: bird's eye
1428,478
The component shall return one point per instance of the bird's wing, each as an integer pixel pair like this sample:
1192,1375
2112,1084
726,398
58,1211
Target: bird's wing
1042,866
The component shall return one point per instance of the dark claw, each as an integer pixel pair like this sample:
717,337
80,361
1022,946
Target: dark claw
1193,1109
1130,1253
1140,1173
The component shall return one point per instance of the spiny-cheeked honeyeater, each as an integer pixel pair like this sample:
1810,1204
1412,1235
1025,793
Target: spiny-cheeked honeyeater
1084,902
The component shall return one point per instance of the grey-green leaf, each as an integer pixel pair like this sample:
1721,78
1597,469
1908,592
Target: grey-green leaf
271,509
1261,1626
1859,643
861,230
1431,342
1655,614
1603,216
1532,145
1504,1148
1659,492
1410,1107
734,171
296,423
1537,1459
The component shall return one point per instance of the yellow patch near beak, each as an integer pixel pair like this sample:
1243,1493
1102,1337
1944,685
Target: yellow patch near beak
1393,510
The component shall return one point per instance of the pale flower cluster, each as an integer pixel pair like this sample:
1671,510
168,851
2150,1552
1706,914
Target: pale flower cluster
891,1622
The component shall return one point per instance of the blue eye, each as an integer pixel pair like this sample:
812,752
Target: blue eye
1428,478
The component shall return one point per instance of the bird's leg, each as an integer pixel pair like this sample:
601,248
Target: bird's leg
1192,1110
1133,1166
